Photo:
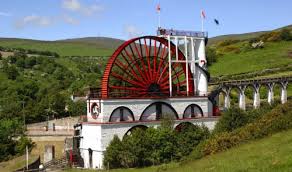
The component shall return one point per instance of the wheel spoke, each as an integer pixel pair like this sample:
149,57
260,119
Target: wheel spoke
148,60
140,68
125,79
128,88
142,61
133,61
124,69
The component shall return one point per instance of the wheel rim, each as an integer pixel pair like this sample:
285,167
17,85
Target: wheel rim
139,69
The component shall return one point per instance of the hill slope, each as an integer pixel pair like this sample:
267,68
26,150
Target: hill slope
273,153
95,46
243,36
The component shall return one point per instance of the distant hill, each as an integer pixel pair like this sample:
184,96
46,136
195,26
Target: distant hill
243,36
90,46
101,42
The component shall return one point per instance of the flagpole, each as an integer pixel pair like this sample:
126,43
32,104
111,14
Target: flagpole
202,20
159,19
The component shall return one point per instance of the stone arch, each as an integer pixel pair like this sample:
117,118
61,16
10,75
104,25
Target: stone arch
221,98
121,113
180,127
235,95
157,110
193,111
129,132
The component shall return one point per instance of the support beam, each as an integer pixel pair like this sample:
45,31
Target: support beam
271,93
256,96
242,97
284,91
227,97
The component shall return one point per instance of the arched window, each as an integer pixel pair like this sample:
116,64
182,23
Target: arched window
158,110
193,111
121,114
130,131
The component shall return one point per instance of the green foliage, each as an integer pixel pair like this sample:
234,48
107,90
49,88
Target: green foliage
231,119
227,42
211,55
231,49
112,157
282,35
11,72
280,118
77,108
154,146
10,130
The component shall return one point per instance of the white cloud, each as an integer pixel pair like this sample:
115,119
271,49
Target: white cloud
72,5
132,31
76,6
70,20
34,20
5,14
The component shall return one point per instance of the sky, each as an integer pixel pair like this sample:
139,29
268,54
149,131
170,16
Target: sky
123,19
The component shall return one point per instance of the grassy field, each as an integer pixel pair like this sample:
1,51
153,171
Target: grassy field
272,56
273,153
16,163
61,47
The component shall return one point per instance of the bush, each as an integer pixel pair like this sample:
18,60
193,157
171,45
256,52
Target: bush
211,56
231,48
227,42
280,118
282,35
231,119
154,146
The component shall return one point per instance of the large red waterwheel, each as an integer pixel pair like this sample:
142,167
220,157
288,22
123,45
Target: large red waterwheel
139,69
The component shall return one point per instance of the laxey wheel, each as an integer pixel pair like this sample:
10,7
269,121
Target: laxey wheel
139,69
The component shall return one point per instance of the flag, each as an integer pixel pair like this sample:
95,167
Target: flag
203,15
216,21
158,8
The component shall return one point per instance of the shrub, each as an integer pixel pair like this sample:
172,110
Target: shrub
285,35
231,119
231,48
211,56
280,118
227,42
154,146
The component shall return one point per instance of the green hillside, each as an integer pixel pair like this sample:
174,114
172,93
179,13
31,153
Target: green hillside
273,153
269,154
273,55
72,47
251,52
243,36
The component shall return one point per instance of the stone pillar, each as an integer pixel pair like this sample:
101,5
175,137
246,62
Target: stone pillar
227,97
284,92
271,93
49,153
242,96
256,96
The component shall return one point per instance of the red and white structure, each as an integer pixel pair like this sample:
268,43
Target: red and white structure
146,78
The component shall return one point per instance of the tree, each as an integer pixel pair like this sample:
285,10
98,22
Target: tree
77,108
57,105
11,72
211,56
112,156
10,129
231,119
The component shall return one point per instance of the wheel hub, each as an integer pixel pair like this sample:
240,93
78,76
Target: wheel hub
154,88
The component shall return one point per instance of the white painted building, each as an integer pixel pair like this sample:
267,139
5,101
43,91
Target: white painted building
146,78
